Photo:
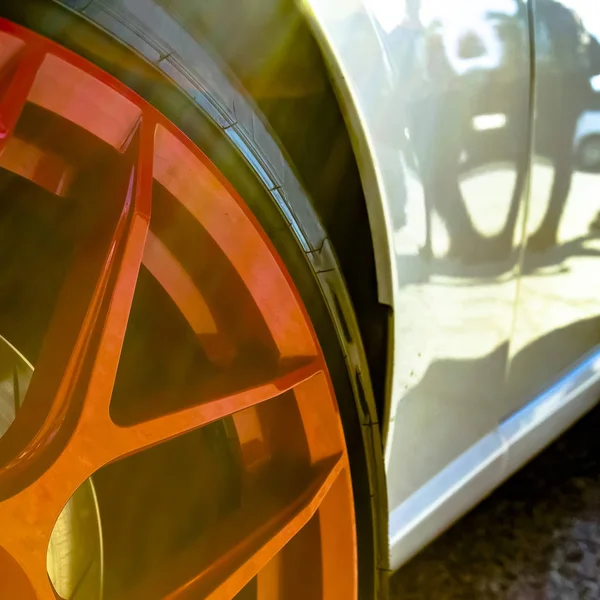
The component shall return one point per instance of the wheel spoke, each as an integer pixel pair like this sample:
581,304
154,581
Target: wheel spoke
80,353
148,433
319,420
81,349
214,206
243,544
175,280
84,100
338,545
19,75
32,584
110,344
44,168
28,518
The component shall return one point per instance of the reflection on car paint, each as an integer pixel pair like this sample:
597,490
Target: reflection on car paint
558,312
458,243
485,209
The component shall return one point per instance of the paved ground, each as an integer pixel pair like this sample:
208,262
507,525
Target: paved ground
537,537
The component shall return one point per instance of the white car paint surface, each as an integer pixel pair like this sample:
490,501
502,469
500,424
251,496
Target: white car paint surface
495,332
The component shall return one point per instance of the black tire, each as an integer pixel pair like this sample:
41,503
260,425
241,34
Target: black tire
254,163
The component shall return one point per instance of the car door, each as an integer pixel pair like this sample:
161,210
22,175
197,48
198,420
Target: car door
465,107
558,315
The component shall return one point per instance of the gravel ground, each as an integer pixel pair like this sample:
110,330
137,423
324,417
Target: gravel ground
537,537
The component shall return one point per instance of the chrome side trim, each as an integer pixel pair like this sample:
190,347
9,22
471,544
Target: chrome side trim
541,421
445,497
496,456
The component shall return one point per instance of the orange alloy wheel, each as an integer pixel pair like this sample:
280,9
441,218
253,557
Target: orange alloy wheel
168,425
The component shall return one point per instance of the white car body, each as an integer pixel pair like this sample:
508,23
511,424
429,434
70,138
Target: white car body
448,443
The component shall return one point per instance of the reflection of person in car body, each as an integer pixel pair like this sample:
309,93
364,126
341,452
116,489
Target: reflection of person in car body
473,68
437,122
463,80
567,57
